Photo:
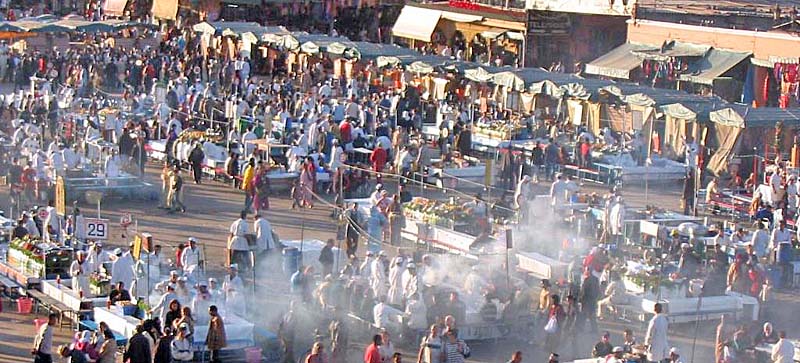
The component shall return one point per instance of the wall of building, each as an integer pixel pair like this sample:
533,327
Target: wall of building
583,38
761,44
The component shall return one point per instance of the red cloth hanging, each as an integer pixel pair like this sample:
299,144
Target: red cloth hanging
783,101
765,90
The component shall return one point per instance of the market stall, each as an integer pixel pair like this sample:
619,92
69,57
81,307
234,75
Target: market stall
238,330
61,291
458,172
30,260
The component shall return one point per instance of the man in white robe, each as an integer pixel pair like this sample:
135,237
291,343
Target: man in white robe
396,271
122,268
78,274
377,278
656,337
616,218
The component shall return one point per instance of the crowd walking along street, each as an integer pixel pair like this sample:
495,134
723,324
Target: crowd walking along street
333,183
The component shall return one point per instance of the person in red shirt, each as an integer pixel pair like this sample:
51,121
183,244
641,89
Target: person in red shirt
28,180
178,252
378,159
372,354
346,129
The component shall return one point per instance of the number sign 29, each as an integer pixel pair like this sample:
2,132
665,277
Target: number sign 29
96,228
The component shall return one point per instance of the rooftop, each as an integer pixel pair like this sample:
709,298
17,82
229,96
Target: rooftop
731,14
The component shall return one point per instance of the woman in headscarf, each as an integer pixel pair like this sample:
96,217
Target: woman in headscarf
262,186
308,181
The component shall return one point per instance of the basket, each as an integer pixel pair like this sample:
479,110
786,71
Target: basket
24,305
252,355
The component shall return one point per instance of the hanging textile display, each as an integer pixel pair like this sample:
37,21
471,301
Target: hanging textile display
593,118
748,91
348,68
439,88
786,74
575,112
337,69
618,118
527,100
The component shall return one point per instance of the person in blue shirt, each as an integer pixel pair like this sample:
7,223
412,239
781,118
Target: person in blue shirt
301,282
765,212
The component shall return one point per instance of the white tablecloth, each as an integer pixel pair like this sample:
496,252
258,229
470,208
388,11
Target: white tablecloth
66,295
239,332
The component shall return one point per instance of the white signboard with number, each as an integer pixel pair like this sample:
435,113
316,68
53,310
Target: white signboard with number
96,228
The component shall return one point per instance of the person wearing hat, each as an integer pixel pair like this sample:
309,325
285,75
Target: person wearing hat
202,299
96,257
377,277
73,355
190,257
78,273
396,270
365,269
616,355
164,302
173,280
410,281
232,280
122,267
215,292
689,262
182,290
181,346
674,356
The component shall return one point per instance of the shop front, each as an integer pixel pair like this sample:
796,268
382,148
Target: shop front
465,31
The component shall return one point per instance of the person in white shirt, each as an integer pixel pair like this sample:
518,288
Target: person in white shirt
79,276
384,315
263,231
161,287
173,122
783,350
71,158
190,258
43,341
780,234
249,135
324,90
112,165
558,192
122,268
232,280
30,225
52,223
378,276
416,313
237,243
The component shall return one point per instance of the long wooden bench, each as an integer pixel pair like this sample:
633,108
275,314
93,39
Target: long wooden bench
65,313
7,290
